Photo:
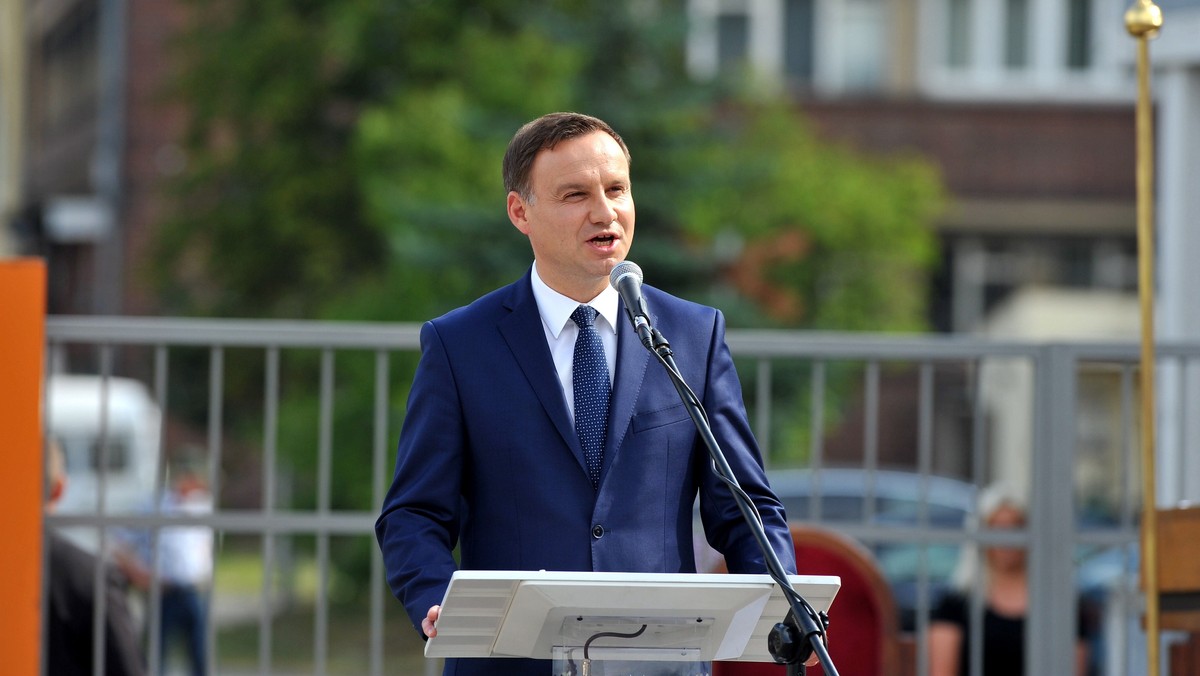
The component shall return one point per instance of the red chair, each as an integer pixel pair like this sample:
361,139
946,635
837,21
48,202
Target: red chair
863,625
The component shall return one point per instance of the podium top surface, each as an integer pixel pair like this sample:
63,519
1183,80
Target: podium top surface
528,614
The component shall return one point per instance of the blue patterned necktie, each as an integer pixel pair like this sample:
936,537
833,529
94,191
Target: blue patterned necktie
589,381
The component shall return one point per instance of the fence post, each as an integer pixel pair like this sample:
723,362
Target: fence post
22,337
1050,629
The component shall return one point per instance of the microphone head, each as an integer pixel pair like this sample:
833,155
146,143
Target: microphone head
623,269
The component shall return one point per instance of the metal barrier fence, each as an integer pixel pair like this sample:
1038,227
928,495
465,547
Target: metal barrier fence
1057,418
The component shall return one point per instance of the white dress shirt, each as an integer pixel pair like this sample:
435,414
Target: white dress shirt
186,552
555,310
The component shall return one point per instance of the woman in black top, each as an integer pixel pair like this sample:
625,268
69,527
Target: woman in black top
1005,602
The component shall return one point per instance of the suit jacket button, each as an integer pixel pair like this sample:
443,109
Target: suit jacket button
597,531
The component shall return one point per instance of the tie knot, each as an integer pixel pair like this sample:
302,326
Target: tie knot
584,316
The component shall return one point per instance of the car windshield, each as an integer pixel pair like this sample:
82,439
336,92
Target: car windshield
860,503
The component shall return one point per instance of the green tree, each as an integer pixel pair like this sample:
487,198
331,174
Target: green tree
344,164
837,240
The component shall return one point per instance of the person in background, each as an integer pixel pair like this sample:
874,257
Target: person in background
185,568
515,459
71,602
1004,578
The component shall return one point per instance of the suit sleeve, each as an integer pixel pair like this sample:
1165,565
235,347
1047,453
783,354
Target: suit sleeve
123,656
418,525
724,525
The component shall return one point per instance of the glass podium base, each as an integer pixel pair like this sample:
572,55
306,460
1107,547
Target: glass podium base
574,667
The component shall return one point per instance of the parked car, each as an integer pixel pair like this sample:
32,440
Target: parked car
841,494
844,505
106,427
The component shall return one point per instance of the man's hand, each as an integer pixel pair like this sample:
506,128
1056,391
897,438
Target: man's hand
427,624
813,658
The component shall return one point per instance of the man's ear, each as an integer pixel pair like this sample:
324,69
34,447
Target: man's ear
517,212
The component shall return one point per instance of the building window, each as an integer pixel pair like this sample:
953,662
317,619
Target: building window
733,39
1016,34
958,36
798,41
994,50
829,46
1079,34
866,43
69,84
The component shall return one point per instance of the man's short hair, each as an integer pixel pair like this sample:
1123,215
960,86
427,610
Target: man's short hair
544,133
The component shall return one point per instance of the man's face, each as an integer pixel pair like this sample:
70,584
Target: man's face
580,220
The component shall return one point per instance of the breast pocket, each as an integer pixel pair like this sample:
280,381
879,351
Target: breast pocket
662,417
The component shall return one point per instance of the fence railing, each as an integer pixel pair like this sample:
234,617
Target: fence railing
298,421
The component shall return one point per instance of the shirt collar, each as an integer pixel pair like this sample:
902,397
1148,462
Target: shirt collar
556,308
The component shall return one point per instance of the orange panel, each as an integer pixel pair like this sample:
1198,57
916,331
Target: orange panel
22,340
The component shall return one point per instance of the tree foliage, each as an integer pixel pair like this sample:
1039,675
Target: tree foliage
828,238
346,155
344,163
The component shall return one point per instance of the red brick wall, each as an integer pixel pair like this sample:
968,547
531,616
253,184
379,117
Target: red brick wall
153,127
998,150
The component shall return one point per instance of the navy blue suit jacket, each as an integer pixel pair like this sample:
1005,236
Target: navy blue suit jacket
489,462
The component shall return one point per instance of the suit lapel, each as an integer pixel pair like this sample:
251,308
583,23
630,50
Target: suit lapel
632,360
522,330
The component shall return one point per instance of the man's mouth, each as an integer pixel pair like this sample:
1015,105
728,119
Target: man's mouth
604,240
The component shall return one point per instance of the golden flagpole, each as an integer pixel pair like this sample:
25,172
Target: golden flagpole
1143,22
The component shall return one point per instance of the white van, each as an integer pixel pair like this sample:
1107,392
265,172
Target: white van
110,420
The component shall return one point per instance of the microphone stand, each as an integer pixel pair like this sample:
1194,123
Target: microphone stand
802,632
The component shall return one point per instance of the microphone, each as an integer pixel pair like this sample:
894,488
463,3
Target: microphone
626,278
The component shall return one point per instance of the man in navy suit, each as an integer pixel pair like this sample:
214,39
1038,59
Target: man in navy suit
489,460
72,596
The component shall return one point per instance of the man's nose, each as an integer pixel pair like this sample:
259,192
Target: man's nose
602,212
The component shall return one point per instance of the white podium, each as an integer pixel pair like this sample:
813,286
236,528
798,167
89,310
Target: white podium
549,614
